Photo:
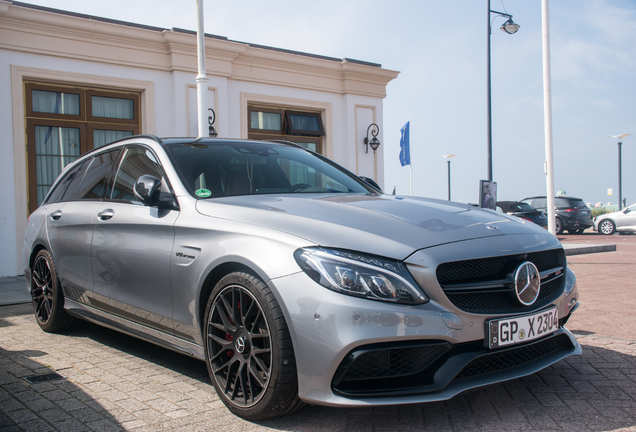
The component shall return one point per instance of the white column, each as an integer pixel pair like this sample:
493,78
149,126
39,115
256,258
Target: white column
202,79
547,116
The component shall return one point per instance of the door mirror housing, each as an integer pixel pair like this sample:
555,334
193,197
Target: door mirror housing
147,190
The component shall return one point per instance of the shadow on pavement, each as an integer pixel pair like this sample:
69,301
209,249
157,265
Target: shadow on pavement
46,405
596,391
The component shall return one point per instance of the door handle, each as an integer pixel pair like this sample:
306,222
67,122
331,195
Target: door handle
56,215
106,214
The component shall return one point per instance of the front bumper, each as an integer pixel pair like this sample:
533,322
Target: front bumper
328,328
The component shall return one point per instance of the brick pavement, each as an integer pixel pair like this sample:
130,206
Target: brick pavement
115,382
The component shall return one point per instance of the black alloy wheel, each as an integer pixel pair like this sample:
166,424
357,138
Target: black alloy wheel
248,349
47,296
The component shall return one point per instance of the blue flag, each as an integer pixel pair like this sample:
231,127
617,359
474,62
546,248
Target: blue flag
405,145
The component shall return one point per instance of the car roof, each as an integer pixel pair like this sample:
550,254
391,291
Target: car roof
190,140
543,196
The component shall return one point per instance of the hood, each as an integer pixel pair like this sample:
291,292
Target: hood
385,225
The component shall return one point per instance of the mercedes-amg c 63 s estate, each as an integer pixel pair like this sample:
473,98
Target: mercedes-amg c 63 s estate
292,278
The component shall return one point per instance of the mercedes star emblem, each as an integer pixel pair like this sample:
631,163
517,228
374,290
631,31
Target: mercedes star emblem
527,283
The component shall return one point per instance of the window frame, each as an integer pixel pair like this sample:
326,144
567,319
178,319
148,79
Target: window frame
290,129
105,126
31,154
280,111
29,87
113,95
86,122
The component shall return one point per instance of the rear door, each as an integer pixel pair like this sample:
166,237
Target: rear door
69,221
131,248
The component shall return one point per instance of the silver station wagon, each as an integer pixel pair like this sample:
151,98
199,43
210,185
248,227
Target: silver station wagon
292,278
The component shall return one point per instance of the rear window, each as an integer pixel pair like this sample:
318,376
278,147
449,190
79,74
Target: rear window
522,207
569,203
577,203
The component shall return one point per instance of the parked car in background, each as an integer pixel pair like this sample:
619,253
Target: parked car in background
524,211
292,278
572,214
621,221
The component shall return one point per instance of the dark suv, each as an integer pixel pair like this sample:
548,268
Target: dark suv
571,213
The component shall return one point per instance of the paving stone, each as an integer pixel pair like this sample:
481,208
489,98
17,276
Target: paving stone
114,382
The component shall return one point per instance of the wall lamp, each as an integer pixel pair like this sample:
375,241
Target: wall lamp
211,120
374,142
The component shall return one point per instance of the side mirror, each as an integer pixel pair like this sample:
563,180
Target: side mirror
372,183
147,189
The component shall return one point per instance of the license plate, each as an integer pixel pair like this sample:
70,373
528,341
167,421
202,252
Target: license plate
510,331
584,212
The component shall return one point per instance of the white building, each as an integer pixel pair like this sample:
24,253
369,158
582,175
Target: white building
72,82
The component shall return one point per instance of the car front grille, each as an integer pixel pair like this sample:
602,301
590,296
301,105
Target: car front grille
485,285
504,302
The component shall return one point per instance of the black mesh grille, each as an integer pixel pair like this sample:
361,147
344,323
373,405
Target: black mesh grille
497,269
392,363
461,271
503,302
503,360
546,260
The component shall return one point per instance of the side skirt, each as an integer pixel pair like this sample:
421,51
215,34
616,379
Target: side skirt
134,329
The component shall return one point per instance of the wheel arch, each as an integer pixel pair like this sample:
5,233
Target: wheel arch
212,278
36,249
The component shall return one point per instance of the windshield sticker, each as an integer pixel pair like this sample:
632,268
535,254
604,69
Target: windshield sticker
203,193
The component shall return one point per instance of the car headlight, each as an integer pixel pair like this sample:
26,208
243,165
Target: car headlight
360,275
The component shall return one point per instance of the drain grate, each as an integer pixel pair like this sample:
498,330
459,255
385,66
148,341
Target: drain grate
34,379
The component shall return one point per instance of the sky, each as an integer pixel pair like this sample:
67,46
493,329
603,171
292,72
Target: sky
440,47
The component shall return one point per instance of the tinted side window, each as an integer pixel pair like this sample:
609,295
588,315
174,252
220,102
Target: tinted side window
137,162
58,193
74,185
540,203
562,202
95,181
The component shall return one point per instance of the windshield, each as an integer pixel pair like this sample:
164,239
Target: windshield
223,169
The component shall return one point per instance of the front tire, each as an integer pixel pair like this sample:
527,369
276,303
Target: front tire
47,296
607,227
248,349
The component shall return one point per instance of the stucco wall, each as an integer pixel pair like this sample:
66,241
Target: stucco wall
46,46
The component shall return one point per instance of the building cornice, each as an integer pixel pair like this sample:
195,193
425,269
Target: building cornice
55,33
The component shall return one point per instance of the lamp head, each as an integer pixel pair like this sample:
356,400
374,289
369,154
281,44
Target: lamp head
510,27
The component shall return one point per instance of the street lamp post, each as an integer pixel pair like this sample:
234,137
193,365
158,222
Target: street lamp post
509,27
620,169
448,158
